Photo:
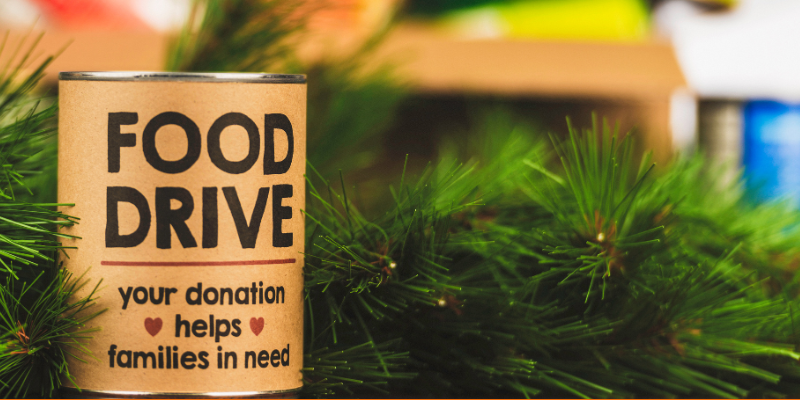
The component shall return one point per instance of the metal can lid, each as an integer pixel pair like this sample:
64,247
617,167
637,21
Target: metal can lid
180,76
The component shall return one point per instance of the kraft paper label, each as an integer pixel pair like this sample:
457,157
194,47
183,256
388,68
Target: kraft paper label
189,196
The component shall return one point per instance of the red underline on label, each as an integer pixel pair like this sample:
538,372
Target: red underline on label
195,263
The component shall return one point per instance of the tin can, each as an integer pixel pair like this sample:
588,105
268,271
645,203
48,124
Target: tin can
772,150
190,189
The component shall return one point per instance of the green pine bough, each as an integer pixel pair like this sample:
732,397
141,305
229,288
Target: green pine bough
41,324
596,279
44,327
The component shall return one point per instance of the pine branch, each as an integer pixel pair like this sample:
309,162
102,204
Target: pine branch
43,328
39,322
715,215
28,231
327,371
652,314
602,278
237,35
666,301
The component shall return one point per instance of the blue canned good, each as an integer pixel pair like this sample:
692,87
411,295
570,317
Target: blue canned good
772,149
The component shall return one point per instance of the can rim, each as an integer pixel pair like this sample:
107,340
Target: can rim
128,76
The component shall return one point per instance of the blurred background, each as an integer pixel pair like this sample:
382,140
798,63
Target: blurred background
720,77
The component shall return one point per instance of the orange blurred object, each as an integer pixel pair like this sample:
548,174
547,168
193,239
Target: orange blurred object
343,25
91,14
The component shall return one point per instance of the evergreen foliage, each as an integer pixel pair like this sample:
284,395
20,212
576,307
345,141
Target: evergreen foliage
561,269
221,35
516,278
44,328
39,320
595,285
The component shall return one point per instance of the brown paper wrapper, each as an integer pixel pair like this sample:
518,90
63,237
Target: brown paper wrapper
212,237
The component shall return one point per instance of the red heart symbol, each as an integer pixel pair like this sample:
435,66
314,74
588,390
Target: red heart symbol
257,325
153,326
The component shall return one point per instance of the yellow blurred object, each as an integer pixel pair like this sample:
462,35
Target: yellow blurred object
622,20
720,3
